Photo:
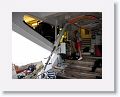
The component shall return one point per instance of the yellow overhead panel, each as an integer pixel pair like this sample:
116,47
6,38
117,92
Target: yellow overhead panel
31,20
28,18
33,23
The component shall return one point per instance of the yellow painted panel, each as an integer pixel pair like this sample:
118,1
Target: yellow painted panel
64,36
85,34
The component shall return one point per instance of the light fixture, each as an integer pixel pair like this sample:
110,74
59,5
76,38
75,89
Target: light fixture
60,29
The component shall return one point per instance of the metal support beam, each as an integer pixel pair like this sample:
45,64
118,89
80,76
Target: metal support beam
56,24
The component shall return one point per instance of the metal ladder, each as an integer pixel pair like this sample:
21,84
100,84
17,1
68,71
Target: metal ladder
56,44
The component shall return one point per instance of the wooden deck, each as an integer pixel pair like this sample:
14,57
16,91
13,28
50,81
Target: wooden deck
75,69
